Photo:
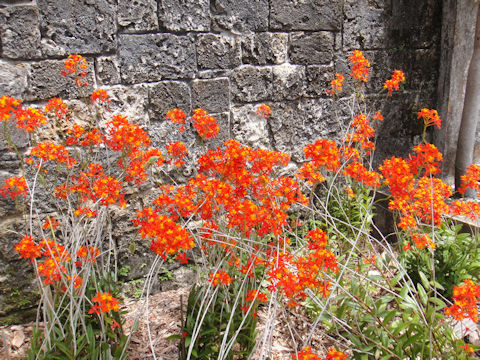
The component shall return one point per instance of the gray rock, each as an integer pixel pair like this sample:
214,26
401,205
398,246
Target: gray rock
306,15
213,95
288,82
20,32
107,70
129,101
218,51
137,16
72,26
212,74
13,79
318,78
250,83
364,25
180,15
265,48
18,137
248,128
311,48
239,15
168,95
46,81
154,57
297,123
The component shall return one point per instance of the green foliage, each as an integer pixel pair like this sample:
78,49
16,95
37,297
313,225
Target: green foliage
223,321
456,258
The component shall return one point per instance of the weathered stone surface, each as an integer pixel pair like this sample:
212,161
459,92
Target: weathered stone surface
131,101
311,48
288,82
107,70
239,15
218,51
168,95
154,57
364,25
212,74
18,137
72,27
295,124
13,79
223,121
213,95
249,128
318,78
250,83
46,81
20,32
137,16
180,15
306,15
8,206
265,48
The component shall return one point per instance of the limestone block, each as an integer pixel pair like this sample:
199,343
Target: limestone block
129,101
13,79
250,83
73,27
306,15
137,16
181,15
318,78
212,95
154,57
311,48
46,81
218,51
288,82
168,95
239,16
107,70
248,128
20,32
265,48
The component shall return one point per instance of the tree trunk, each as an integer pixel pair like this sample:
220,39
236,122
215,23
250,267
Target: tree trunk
471,111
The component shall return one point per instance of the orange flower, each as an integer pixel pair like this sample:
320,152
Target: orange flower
359,173
220,277
49,151
394,82
264,111
466,297
256,295
336,84
8,107
360,68
205,125
177,152
50,223
106,303
57,106
28,249
470,179
100,95
14,186
76,64
430,117
423,240
30,119
176,116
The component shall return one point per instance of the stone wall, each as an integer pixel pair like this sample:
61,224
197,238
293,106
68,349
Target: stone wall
227,56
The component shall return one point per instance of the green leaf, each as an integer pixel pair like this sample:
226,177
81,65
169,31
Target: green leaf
422,294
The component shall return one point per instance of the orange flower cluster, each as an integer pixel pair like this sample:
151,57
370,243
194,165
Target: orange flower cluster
177,152
8,107
421,241
470,179
77,65
48,151
465,297
28,248
428,158
124,136
100,95
362,133
336,84
307,354
167,236
30,119
359,173
105,303
430,117
14,186
264,111
176,116
50,223
220,277
393,84
79,136
360,68
57,106
205,125
322,153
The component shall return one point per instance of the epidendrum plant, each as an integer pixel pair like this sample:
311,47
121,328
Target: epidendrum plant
369,301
